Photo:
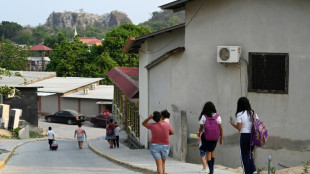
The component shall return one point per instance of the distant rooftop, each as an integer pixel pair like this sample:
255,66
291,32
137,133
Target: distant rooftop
91,40
30,76
64,84
102,92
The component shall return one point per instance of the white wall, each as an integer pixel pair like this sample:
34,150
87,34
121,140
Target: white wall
257,26
196,77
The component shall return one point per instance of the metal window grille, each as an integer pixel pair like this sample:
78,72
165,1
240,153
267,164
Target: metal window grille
268,72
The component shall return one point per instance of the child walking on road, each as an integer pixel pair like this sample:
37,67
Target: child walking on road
51,136
79,134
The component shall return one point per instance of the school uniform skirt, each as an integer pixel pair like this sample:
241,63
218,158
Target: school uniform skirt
207,146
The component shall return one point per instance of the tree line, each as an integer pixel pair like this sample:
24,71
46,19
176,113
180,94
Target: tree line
70,57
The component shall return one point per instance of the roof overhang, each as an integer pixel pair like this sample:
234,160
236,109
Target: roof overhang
104,102
175,5
125,83
133,44
44,94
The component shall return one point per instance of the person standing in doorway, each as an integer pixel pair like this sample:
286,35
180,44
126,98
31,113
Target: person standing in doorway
160,143
79,134
209,116
51,136
245,117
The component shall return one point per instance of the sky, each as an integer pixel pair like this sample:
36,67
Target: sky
35,12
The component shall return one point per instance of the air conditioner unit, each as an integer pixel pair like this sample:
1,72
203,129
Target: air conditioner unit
86,91
228,54
93,86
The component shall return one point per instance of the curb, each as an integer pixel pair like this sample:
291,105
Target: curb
122,163
10,154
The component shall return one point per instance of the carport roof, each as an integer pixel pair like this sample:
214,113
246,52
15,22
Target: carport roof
30,76
102,92
64,84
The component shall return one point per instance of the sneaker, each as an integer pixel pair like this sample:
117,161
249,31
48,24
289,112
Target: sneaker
203,171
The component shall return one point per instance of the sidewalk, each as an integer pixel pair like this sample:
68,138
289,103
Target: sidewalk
142,160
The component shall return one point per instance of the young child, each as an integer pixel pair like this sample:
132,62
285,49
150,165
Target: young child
116,132
165,115
51,136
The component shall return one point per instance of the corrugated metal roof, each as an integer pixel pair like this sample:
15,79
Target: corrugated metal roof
102,92
30,76
175,5
125,83
64,84
130,71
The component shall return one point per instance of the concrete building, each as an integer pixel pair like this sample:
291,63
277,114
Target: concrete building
180,68
84,95
26,96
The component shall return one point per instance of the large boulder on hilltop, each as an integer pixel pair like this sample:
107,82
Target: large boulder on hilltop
73,19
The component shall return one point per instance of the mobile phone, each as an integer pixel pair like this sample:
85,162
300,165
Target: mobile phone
231,118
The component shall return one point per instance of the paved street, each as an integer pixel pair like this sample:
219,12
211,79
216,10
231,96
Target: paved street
36,158
65,131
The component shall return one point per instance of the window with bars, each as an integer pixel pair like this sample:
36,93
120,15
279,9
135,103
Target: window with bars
268,72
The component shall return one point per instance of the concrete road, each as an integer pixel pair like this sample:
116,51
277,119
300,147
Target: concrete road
36,158
65,131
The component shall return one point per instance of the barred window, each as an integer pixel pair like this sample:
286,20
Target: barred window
268,72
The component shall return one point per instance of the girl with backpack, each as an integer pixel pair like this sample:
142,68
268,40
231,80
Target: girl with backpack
110,134
210,131
245,117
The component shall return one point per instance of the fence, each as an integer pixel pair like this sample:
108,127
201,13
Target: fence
127,112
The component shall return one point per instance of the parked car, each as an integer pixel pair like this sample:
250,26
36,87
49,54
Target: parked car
65,116
100,120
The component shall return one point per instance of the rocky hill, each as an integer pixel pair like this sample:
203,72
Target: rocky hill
73,19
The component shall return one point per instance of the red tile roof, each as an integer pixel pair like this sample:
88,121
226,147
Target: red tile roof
121,77
130,71
90,40
40,48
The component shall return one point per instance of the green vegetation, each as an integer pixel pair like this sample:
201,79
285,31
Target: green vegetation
306,165
164,19
12,56
70,57
15,133
34,135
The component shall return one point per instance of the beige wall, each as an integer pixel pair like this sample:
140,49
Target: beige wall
88,106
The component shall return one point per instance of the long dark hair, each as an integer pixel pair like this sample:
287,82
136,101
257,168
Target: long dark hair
208,110
244,105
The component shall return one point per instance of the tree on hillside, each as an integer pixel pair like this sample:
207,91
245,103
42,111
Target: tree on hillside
12,56
39,33
116,39
70,59
51,40
102,64
164,19
9,29
24,37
